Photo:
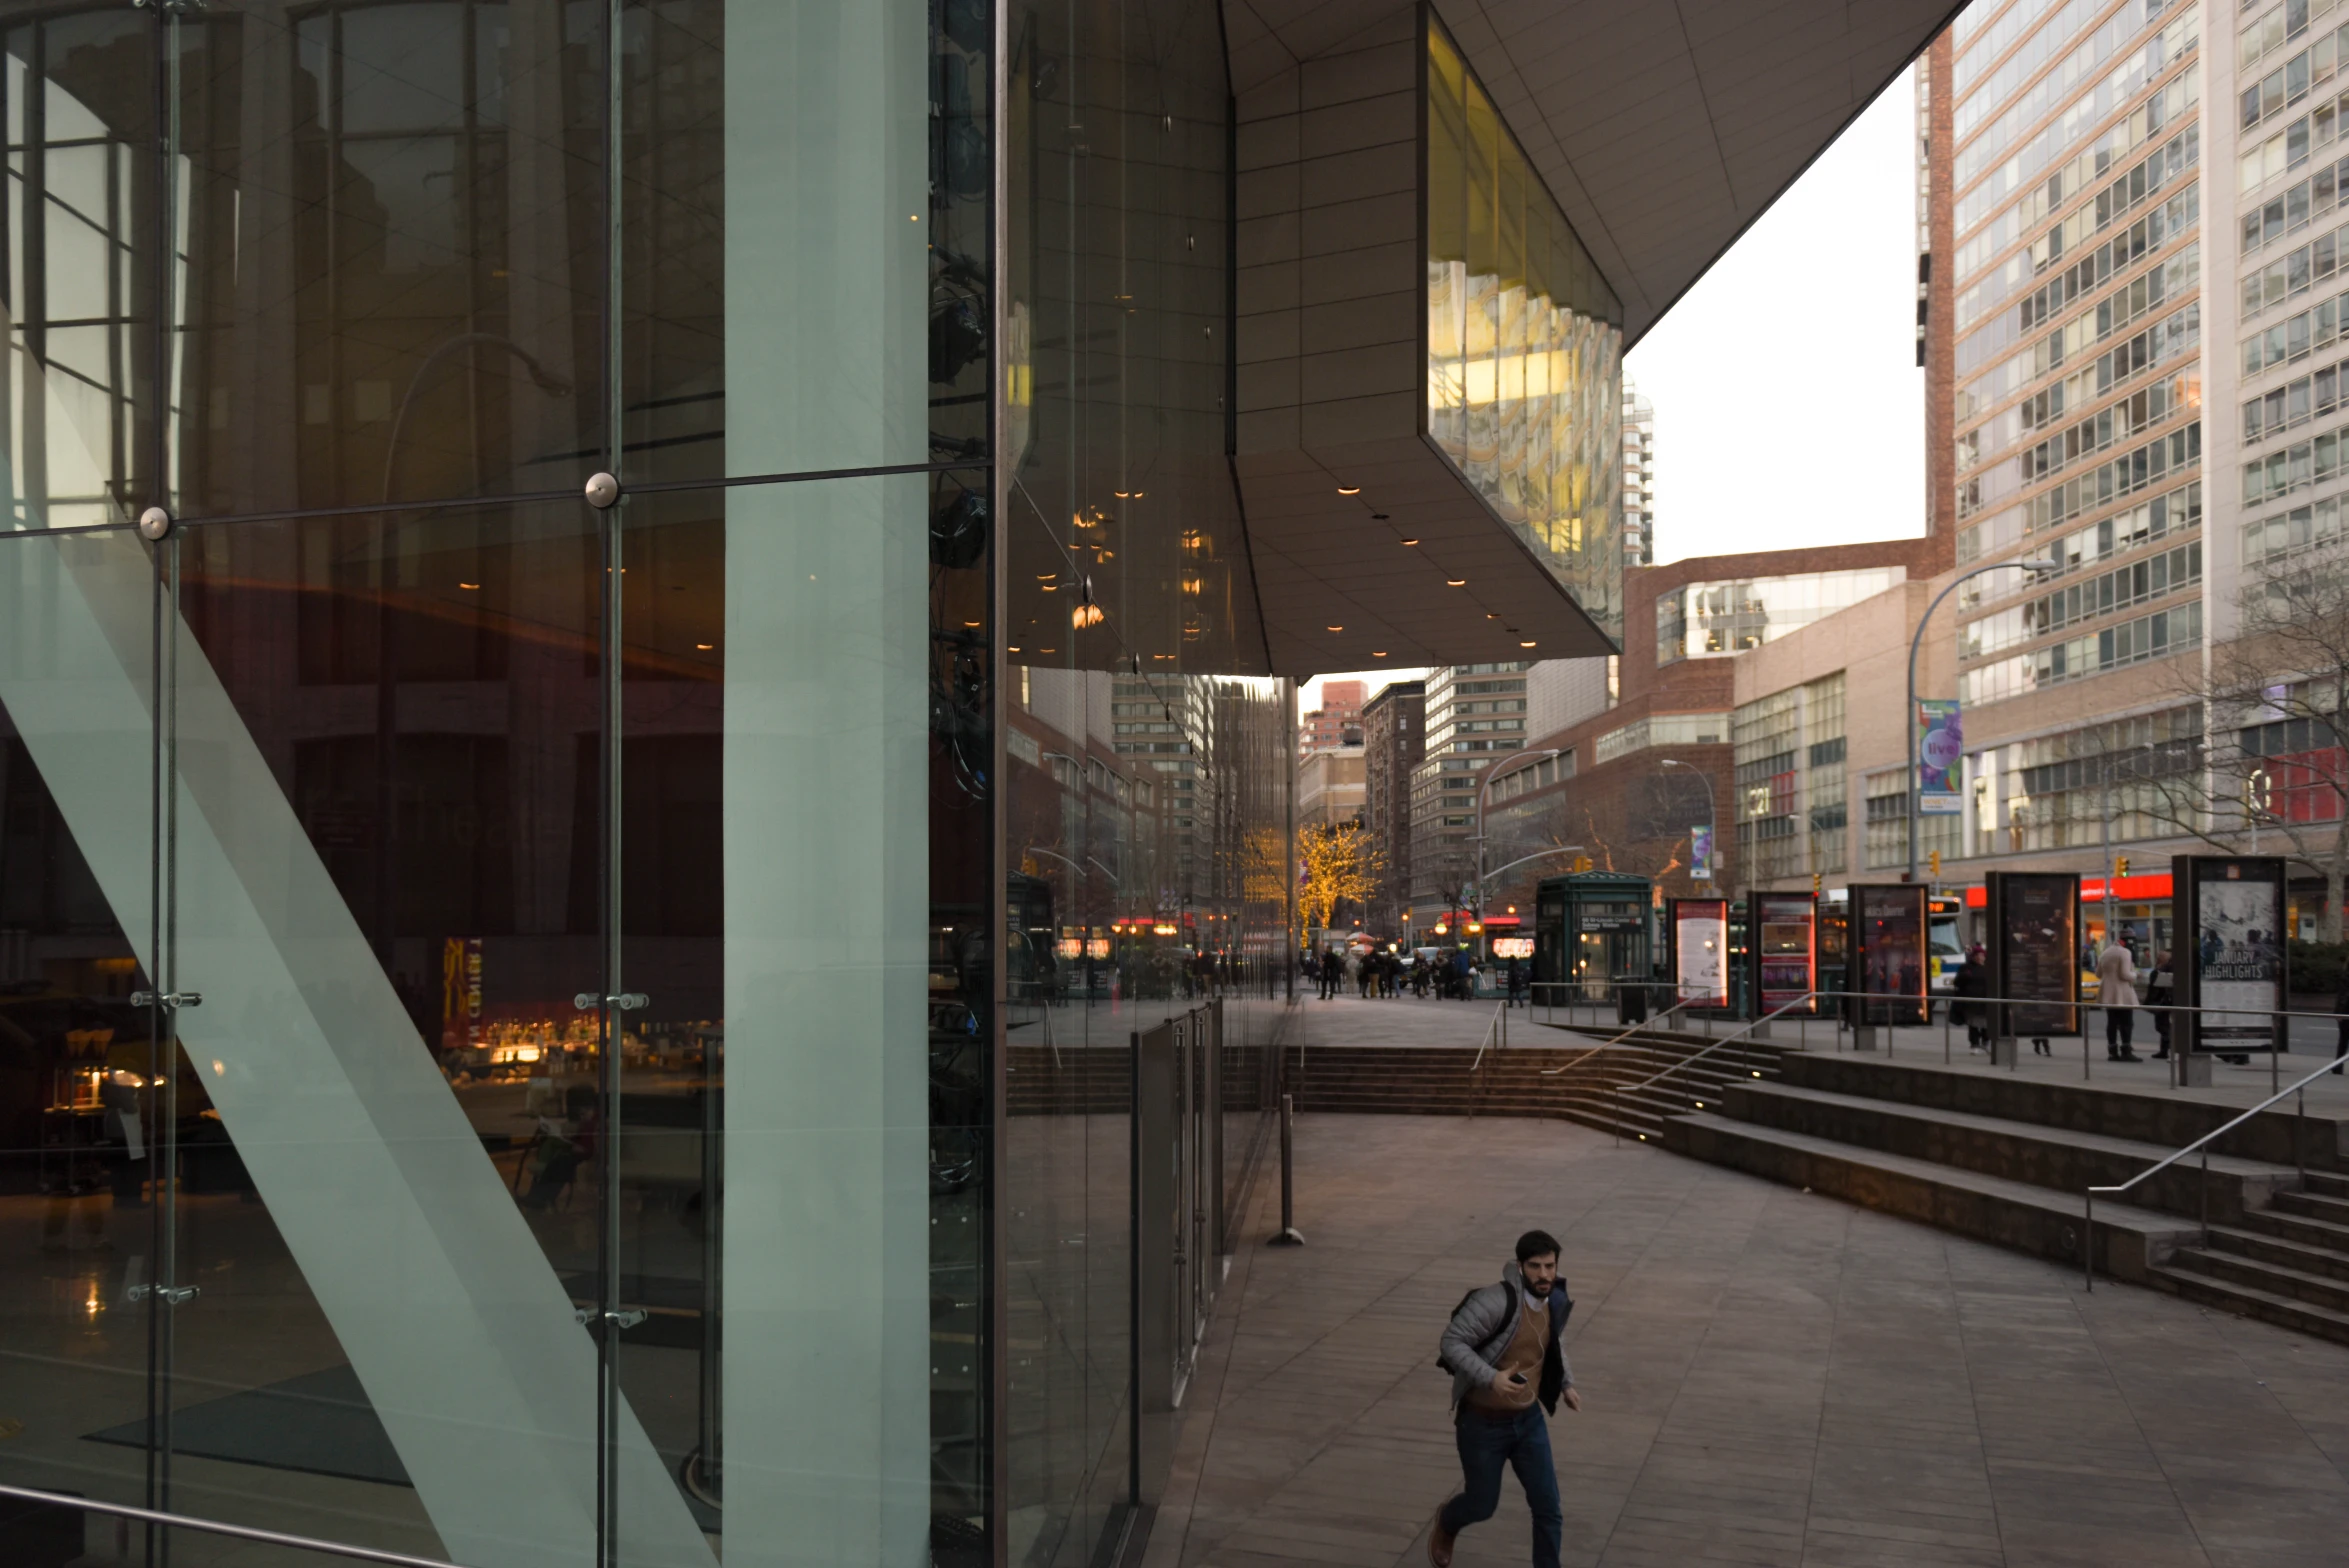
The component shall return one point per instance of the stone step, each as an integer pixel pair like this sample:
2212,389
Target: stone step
2063,1161
2280,1279
2129,1241
2267,1305
2328,1183
2315,1206
2330,1261
2294,1227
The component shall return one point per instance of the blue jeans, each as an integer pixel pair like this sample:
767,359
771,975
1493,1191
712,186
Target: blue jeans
1522,1443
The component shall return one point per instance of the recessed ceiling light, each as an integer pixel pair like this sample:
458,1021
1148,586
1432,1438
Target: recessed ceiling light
1526,644
1349,489
469,587
1337,628
1409,542
705,647
973,625
1455,582
1378,653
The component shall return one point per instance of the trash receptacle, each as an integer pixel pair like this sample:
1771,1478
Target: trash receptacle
1631,1002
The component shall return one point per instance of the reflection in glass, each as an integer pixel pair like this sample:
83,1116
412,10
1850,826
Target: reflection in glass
1700,620
391,218
1524,342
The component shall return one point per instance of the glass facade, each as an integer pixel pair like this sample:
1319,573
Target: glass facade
1524,342
542,1025
1701,620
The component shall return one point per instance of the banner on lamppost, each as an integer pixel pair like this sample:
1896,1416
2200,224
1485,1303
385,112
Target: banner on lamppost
1941,745
1700,853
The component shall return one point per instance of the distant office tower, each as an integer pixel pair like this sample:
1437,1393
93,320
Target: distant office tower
1394,739
1639,483
1337,722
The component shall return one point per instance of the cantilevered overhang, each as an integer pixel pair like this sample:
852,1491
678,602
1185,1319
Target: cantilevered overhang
1660,128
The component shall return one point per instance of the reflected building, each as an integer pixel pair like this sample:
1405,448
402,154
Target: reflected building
648,673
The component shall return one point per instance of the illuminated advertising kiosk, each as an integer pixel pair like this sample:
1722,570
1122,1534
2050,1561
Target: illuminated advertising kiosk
2231,957
1698,929
2034,954
1887,953
1783,952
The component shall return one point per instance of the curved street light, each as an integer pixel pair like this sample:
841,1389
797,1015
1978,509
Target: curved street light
1915,640
1495,772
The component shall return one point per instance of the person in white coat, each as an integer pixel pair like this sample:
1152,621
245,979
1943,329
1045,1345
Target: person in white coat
2116,988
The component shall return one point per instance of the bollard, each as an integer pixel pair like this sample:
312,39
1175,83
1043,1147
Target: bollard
1289,1236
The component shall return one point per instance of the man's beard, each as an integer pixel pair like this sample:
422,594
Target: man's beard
1539,1290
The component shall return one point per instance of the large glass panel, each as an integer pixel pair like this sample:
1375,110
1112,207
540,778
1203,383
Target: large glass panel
392,217
1524,340
79,1191
386,875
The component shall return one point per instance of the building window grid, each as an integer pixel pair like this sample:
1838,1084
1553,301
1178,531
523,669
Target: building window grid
2055,784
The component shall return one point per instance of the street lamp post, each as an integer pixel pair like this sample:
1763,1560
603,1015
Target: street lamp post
1712,806
1916,639
1484,941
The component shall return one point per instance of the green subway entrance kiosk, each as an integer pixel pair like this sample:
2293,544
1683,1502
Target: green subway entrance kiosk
1593,933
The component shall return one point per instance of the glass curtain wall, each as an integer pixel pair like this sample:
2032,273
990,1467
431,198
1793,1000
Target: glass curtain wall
429,890
1146,780
1524,341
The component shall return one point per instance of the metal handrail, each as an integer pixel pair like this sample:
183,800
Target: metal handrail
2088,1213
1592,1054
1691,1061
1496,1026
365,1554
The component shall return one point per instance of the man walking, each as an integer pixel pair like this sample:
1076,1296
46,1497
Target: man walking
1502,1350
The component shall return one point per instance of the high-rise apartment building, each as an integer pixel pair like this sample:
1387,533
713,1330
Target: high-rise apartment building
1394,740
1639,477
1337,722
2066,381
1474,711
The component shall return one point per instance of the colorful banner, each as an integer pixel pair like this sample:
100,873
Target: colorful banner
1941,748
1700,853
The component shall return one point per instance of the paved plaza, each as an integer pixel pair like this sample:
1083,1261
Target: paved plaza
1769,1377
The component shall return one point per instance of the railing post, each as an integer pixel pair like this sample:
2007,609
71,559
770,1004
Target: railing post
2299,1133
1288,1236
2206,1195
2088,1239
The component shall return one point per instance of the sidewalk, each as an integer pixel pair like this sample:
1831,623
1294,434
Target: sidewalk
1769,1377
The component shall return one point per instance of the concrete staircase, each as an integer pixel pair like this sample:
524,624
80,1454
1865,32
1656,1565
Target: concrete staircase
2006,1160
1579,1082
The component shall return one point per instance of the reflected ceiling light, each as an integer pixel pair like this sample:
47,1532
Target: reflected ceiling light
1527,643
469,587
1349,489
704,647
1085,615
1409,542
1014,648
1052,587
1490,616
1455,582
1121,494
973,625
1337,628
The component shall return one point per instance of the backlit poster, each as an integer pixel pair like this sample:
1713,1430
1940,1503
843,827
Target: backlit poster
2035,957
2231,955
1700,951
1941,747
1888,952
1786,950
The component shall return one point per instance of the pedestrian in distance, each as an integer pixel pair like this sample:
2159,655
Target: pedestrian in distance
2161,993
2341,1024
1972,984
1503,1351
2116,988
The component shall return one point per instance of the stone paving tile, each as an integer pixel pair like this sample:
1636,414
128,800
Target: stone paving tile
1770,1378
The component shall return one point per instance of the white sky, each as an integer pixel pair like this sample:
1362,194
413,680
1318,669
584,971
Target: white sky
1789,406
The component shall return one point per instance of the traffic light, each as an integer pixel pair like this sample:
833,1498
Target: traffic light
1933,859
1817,882
1582,863
2120,867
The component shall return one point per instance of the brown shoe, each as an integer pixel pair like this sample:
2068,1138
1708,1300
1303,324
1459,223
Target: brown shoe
1439,1543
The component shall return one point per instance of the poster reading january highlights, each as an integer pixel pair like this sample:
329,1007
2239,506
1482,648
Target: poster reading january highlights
2238,952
